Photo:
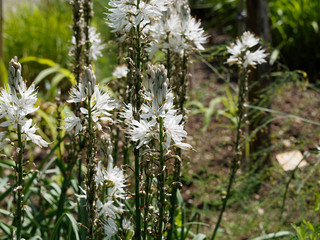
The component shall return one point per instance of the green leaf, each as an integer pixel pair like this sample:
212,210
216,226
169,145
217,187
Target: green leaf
6,228
179,197
275,235
209,113
54,67
316,202
74,225
45,73
199,236
73,222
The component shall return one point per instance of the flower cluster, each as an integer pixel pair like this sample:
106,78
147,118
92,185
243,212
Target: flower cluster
177,30
241,53
109,209
126,14
96,101
158,104
96,45
17,101
110,206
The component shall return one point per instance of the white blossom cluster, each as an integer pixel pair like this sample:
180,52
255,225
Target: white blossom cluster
124,15
114,180
108,210
89,93
16,102
96,45
241,53
158,103
177,30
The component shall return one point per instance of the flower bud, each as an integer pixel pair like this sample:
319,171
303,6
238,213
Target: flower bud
15,78
88,80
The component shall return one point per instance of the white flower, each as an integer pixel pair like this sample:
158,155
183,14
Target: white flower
72,122
254,58
102,102
141,131
116,180
14,119
125,15
183,146
108,209
249,40
241,53
110,228
96,44
77,94
84,195
174,130
127,114
30,133
177,30
120,71
126,224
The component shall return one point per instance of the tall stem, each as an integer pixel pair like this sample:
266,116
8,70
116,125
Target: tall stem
19,185
161,180
90,177
146,206
87,17
137,193
236,159
136,151
173,200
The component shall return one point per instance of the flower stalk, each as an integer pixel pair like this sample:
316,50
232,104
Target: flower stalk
242,55
19,184
161,180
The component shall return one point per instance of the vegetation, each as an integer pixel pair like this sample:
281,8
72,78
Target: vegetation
133,122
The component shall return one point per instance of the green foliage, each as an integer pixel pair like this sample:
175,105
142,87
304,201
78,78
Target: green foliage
295,30
53,82
307,231
38,30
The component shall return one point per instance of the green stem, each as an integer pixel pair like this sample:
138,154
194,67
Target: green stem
173,199
182,222
236,159
161,180
146,206
136,151
115,151
19,185
137,193
87,16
